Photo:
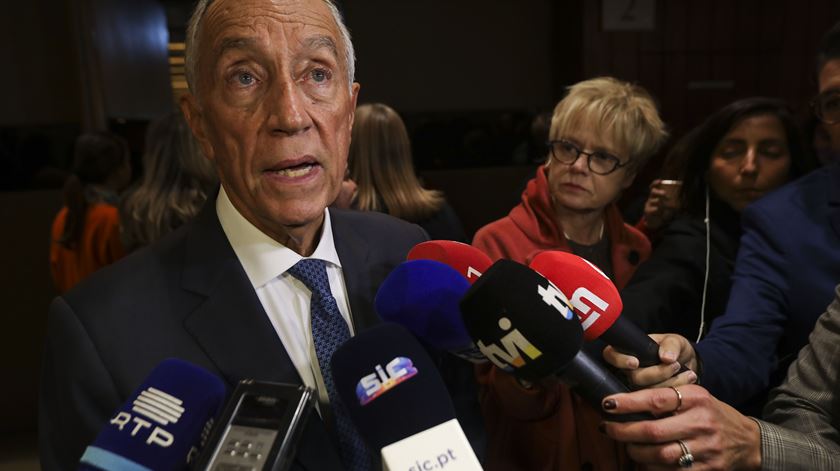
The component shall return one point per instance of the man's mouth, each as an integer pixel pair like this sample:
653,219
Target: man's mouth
297,169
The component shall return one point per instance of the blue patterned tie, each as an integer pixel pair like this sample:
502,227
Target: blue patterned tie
329,331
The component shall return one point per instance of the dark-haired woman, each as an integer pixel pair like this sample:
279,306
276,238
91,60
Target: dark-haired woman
740,153
86,233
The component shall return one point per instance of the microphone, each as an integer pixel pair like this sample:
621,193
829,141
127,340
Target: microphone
163,423
398,401
423,296
465,259
526,326
597,304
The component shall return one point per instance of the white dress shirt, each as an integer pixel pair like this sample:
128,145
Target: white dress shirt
284,297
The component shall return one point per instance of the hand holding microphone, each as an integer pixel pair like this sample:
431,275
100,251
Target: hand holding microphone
598,305
526,326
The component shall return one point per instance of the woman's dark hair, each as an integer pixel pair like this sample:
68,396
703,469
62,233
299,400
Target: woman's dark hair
829,48
96,157
689,159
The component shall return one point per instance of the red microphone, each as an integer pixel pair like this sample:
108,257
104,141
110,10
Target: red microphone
597,304
465,259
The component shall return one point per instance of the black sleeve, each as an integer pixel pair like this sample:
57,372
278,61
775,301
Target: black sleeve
665,292
77,394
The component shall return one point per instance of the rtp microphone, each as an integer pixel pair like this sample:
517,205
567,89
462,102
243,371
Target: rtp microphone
525,326
465,259
161,426
423,296
597,303
398,401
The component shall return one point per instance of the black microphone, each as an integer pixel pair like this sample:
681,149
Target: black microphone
527,327
398,401
164,422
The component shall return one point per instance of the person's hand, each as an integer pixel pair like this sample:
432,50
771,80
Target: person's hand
658,209
347,194
716,435
674,352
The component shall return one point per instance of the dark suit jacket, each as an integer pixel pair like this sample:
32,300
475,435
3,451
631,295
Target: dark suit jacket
785,273
188,297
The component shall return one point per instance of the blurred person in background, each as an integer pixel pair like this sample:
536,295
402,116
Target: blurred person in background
85,233
382,168
602,132
743,151
176,181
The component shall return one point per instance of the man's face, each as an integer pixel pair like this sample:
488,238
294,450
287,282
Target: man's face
274,110
829,80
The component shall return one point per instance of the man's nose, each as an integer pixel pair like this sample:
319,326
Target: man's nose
288,109
581,164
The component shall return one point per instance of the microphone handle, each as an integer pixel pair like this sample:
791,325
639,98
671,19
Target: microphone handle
593,382
629,339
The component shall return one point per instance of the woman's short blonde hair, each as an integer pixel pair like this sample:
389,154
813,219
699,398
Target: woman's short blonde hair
624,112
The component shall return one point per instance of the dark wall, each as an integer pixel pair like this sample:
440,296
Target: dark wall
441,55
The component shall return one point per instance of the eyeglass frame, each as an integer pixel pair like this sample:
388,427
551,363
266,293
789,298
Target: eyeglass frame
618,164
816,108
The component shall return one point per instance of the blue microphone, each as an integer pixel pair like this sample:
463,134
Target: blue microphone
423,296
163,423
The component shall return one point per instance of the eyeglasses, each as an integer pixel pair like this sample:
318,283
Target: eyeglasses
600,163
827,107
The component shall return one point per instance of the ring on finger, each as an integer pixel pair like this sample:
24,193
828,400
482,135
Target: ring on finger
686,459
679,398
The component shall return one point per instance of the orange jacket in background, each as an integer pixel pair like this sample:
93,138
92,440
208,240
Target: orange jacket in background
99,246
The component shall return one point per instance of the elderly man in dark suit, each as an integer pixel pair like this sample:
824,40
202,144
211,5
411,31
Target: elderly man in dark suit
271,101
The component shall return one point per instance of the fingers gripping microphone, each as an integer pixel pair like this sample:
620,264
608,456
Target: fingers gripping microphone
398,401
597,304
465,259
161,426
526,326
423,296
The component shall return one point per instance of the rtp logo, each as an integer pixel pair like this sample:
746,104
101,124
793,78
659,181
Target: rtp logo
154,405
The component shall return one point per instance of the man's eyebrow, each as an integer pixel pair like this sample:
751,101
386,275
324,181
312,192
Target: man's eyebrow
235,43
317,42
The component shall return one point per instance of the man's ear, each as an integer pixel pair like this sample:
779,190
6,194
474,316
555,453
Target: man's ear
629,176
354,97
194,116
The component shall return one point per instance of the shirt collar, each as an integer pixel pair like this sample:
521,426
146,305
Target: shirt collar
262,257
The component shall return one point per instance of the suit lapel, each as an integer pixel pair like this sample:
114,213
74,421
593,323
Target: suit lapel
354,252
230,325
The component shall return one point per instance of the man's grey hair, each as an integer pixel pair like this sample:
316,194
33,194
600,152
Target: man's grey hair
194,33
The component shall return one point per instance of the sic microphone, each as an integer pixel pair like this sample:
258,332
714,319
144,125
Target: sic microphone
526,326
465,259
164,422
597,304
398,401
423,296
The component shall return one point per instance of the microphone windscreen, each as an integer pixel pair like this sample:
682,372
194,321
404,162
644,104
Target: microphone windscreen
163,423
389,385
520,321
423,296
592,294
465,259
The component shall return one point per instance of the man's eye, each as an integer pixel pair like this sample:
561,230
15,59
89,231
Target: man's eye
245,79
320,75
605,158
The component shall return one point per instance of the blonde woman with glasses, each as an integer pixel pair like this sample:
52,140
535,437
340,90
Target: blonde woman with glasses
601,134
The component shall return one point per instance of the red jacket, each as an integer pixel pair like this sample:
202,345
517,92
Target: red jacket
547,427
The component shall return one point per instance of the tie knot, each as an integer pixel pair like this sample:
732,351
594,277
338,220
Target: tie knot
313,273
